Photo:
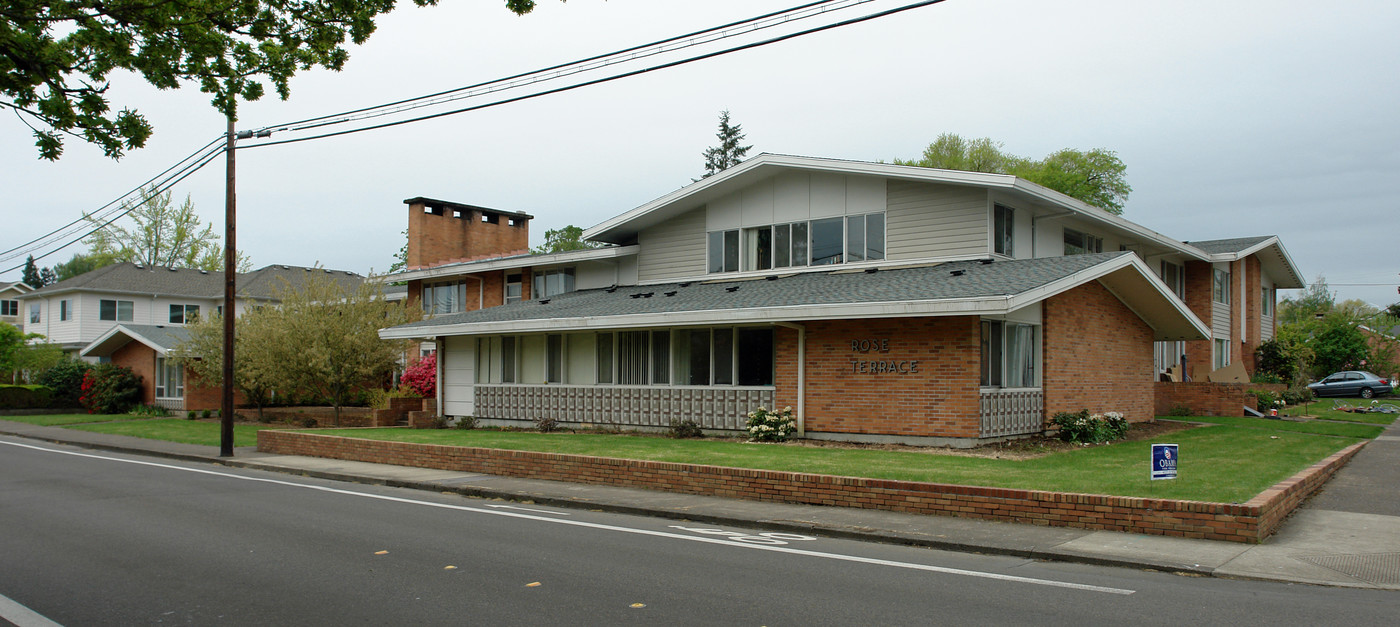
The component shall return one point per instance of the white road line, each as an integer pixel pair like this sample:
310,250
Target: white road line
579,523
22,616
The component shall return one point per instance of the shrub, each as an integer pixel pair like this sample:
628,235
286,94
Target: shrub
154,411
65,380
1081,427
25,397
421,377
682,429
440,422
190,415
546,425
204,414
309,423
1297,395
466,423
110,389
771,426
379,398
1265,377
1179,410
1265,400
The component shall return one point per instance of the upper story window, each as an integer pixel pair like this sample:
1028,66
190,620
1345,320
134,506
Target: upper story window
1175,278
1003,230
547,283
1080,243
114,310
65,310
1266,302
1220,287
792,244
34,313
444,298
513,293
182,314
9,308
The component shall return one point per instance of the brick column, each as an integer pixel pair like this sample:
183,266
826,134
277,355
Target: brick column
1253,311
1199,278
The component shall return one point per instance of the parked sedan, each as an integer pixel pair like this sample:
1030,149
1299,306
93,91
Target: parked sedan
1352,383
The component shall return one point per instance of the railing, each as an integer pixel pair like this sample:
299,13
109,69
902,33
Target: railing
710,407
1012,412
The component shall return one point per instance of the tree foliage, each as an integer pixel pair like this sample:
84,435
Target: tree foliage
256,373
31,276
110,389
1097,176
22,355
563,239
728,153
56,57
1316,300
81,263
163,235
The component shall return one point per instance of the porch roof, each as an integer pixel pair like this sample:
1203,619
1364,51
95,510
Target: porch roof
978,287
161,339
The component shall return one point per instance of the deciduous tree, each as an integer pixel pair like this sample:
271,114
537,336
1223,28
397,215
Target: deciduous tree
163,235
256,369
55,57
21,354
81,263
567,238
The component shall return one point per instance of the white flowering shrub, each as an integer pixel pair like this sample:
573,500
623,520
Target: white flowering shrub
1086,428
771,426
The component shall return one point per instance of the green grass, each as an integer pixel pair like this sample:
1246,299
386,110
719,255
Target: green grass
55,420
1322,409
177,430
1220,463
1313,426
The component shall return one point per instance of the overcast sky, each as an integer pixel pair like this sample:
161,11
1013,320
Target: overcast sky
1234,118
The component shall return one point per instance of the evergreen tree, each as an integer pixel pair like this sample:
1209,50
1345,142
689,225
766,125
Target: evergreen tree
31,274
728,153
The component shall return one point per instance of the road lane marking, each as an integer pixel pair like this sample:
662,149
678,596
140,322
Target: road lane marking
527,509
22,616
606,527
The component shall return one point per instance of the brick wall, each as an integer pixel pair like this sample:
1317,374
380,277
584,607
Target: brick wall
879,388
141,359
1098,355
199,397
1249,522
1237,304
1209,399
1199,283
434,239
1253,312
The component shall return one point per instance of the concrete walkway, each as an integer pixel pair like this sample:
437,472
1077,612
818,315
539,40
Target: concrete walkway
1347,536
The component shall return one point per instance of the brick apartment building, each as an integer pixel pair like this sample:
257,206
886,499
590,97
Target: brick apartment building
881,302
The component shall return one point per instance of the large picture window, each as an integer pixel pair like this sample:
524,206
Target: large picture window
793,244
114,310
1009,355
548,283
444,298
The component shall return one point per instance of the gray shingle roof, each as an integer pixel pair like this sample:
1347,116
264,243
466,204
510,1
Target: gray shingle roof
262,283
1233,245
167,337
840,286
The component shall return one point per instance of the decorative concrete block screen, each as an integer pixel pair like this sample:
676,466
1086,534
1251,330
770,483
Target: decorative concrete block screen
710,407
1017,412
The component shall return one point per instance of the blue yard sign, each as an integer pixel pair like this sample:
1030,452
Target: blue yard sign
1164,460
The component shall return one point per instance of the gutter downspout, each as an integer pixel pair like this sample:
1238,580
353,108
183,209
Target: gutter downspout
801,375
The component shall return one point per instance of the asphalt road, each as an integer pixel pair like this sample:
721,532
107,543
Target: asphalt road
96,538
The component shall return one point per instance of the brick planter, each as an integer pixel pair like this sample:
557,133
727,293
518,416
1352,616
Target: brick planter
1248,522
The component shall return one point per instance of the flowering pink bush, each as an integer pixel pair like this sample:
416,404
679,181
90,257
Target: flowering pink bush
421,377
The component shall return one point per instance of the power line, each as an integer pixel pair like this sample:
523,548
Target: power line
607,79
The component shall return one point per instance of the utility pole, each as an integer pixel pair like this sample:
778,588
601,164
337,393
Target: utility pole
230,279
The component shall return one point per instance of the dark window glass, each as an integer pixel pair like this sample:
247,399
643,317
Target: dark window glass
782,246
177,314
855,238
763,248
724,356
554,358
699,343
826,241
991,353
632,357
716,252
799,244
605,358
875,236
755,356
660,356
1002,229
731,251
507,359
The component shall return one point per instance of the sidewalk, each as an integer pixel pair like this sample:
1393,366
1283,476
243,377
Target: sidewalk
1344,537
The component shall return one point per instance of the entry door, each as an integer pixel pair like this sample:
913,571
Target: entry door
459,377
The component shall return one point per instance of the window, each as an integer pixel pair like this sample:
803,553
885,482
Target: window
1008,354
758,251
444,298
9,308
115,310
508,359
826,246
182,314
724,356
605,358
1266,302
755,358
1220,287
1003,227
1077,243
660,356
723,251
554,358
693,357
170,379
547,283
513,293
632,357
687,357
1175,279
65,310
34,313
1222,353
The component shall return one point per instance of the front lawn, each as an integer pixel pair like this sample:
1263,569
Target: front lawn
1322,410
1312,426
1219,463
177,430
54,420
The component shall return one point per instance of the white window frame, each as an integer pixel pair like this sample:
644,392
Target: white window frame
1220,286
166,370
117,310
1003,230
998,375
9,308
1222,353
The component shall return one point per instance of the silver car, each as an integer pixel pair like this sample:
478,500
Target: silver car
1352,383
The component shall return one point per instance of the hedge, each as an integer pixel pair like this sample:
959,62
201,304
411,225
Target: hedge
25,397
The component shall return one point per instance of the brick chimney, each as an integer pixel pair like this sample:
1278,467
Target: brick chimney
440,231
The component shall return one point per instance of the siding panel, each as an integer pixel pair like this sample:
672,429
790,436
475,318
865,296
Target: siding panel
935,221
674,249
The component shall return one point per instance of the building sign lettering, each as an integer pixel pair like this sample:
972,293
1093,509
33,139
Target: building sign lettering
879,366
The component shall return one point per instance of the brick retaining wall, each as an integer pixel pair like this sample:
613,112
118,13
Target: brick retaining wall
1208,399
1249,522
